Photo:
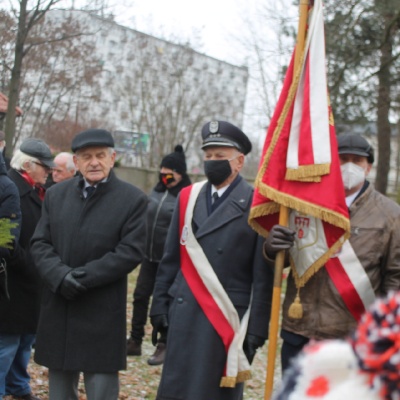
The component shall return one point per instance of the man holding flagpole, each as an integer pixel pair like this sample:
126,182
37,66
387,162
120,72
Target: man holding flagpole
300,203
367,266
213,287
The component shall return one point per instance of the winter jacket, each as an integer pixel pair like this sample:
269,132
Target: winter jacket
159,213
375,238
20,315
10,208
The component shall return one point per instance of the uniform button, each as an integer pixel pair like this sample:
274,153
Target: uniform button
219,251
180,300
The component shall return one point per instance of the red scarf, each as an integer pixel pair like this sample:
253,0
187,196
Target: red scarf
37,186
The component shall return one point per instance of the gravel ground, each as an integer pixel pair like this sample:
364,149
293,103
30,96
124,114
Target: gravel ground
140,381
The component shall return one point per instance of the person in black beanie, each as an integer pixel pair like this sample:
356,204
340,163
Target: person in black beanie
162,199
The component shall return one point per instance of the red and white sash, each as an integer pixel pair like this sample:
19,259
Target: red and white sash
351,280
210,294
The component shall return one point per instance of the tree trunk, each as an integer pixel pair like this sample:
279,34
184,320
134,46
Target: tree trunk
13,94
383,108
396,187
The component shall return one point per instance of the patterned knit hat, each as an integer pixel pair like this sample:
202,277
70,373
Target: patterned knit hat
376,344
366,366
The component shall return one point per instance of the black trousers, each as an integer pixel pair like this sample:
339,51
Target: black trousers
291,347
141,299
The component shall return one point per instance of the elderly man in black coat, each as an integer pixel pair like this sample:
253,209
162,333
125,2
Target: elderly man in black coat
30,167
90,236
213,289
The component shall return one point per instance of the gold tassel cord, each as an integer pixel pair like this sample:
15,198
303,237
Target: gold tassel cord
296,308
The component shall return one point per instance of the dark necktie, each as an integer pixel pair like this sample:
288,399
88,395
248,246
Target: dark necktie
90,190
215,197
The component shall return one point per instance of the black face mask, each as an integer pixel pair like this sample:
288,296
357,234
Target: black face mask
217,171
166,179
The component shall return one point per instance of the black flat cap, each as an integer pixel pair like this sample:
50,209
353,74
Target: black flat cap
225,134
38,149
352,143
92,138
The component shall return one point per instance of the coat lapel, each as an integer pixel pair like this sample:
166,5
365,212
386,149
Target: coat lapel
230,209
200,213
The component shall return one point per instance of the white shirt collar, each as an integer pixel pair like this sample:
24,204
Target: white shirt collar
220,191
86,184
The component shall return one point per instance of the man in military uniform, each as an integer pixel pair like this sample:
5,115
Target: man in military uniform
213,288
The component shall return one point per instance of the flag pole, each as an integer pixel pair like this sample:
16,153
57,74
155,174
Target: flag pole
283,220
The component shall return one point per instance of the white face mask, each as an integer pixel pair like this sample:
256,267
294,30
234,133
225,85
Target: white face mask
352,175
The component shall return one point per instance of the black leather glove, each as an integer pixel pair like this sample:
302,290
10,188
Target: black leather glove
279,238
70,287
251,344
160,325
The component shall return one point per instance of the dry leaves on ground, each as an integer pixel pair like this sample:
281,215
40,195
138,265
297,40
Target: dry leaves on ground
140,380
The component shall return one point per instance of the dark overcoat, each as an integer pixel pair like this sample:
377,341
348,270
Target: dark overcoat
159,212
195,355
104,235
20,314
10,208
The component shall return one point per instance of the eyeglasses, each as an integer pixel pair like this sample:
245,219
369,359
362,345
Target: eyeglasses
46,168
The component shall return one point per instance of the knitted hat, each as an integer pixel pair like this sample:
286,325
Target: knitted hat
365,366
175,161
376,344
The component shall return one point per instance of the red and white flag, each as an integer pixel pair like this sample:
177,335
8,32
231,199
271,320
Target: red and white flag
300,166
309,155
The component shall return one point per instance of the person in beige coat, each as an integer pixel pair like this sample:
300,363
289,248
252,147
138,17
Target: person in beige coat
375,239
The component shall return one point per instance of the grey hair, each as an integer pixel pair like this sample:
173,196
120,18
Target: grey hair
70,165
19,159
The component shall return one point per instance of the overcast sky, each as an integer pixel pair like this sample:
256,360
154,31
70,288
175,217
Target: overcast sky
213,27
214,21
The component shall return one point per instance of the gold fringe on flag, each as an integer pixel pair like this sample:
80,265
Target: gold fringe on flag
231,381
314,171
261,211
302,206
310,179
281,121
228,381
277,198
243,376
296,308
300,281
